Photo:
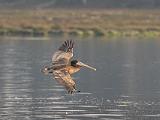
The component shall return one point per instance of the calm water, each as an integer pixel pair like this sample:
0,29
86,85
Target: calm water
126,84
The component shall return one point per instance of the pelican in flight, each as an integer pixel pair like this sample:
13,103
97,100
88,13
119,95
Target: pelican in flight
63,66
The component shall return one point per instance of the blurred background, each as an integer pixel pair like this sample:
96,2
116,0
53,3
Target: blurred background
82,18
25,4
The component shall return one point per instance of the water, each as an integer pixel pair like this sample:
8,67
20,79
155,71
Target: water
126,84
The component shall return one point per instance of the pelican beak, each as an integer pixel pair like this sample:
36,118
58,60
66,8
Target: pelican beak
85,65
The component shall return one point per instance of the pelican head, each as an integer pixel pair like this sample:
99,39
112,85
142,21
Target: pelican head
76,63
46,70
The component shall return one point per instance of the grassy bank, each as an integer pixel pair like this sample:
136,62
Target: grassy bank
84,23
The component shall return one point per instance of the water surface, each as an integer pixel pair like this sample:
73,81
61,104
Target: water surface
126,84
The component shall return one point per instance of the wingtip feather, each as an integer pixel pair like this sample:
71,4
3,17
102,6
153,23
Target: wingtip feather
67,45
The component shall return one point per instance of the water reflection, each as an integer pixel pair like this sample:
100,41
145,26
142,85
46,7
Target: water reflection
124,87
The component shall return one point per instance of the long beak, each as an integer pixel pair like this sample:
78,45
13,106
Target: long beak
85,65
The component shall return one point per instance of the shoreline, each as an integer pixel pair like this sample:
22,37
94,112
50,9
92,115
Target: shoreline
80,23
79,33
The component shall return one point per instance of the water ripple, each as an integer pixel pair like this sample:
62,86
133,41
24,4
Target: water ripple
117,91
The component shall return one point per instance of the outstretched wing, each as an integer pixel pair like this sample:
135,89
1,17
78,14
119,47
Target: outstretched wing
64,78
64,54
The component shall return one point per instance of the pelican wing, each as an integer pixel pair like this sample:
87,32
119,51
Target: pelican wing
64,78
64,54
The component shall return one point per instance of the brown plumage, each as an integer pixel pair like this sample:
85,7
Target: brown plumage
62,67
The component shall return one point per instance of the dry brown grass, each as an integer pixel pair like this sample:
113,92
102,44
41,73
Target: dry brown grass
83,22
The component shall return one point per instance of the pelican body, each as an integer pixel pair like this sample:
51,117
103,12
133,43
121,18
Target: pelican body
63,67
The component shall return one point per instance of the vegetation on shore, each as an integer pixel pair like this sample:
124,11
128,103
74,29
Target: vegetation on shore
83,23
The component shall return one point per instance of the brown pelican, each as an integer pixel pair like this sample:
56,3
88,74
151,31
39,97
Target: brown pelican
62,66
